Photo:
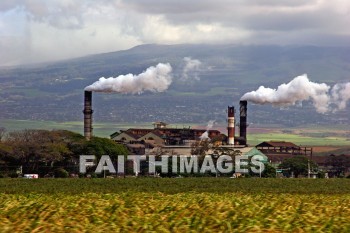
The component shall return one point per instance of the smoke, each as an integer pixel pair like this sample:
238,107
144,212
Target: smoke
297,90
205,135
341,95
154,79
191,69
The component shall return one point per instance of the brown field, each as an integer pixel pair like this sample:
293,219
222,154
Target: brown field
320,149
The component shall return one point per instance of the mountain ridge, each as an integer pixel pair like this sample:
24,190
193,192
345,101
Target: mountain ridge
228,71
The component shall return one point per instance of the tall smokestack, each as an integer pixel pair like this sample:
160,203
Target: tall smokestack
231,125
88,115
243,120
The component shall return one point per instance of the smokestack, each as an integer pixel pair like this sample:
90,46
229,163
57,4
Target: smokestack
231,125
243,120
88,115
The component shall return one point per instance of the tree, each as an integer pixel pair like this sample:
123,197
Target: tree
103,146
40,151
200,147
217,140
34,147
298,165
226,151
269,172
61,173
339,164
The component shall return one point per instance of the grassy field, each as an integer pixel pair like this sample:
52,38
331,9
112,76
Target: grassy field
175,185
100,129
299,139
175,205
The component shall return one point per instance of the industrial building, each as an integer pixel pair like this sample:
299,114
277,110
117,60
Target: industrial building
178,141
161,135
283,148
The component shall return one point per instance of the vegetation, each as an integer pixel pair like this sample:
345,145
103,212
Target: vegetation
61,173
43,151
174,205
74,186
182,212
298,165
339,164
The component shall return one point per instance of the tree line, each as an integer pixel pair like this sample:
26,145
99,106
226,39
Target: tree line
47,152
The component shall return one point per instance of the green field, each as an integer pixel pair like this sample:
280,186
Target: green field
175,185
175,205
100,129
299,139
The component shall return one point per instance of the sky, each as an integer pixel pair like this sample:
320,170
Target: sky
33,31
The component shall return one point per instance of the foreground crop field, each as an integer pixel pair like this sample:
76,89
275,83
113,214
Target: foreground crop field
202,212
175,205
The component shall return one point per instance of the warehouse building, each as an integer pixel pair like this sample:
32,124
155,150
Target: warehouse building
161,135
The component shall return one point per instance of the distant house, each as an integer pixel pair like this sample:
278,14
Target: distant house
282,147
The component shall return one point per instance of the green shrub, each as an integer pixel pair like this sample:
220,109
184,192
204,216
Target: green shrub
61,173
13,175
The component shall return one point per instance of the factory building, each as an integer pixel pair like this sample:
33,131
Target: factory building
277,148
161,135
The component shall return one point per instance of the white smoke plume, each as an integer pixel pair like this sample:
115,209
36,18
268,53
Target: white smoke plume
154,79
297,90
205,135
340,95
191,69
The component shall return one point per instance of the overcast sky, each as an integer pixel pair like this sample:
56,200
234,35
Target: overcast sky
47,30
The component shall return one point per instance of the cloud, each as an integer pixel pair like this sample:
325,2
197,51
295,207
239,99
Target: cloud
70,28
191,69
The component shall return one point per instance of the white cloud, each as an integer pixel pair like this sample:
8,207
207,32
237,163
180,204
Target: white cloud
39,30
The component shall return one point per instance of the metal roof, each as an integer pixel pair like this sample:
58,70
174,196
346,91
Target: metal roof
255,151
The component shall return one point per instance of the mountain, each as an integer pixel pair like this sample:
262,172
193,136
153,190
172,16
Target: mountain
54,91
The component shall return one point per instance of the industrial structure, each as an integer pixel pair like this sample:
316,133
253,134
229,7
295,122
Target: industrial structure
231,125
282,147
243,121
242,139
88,115
180,140
163,135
